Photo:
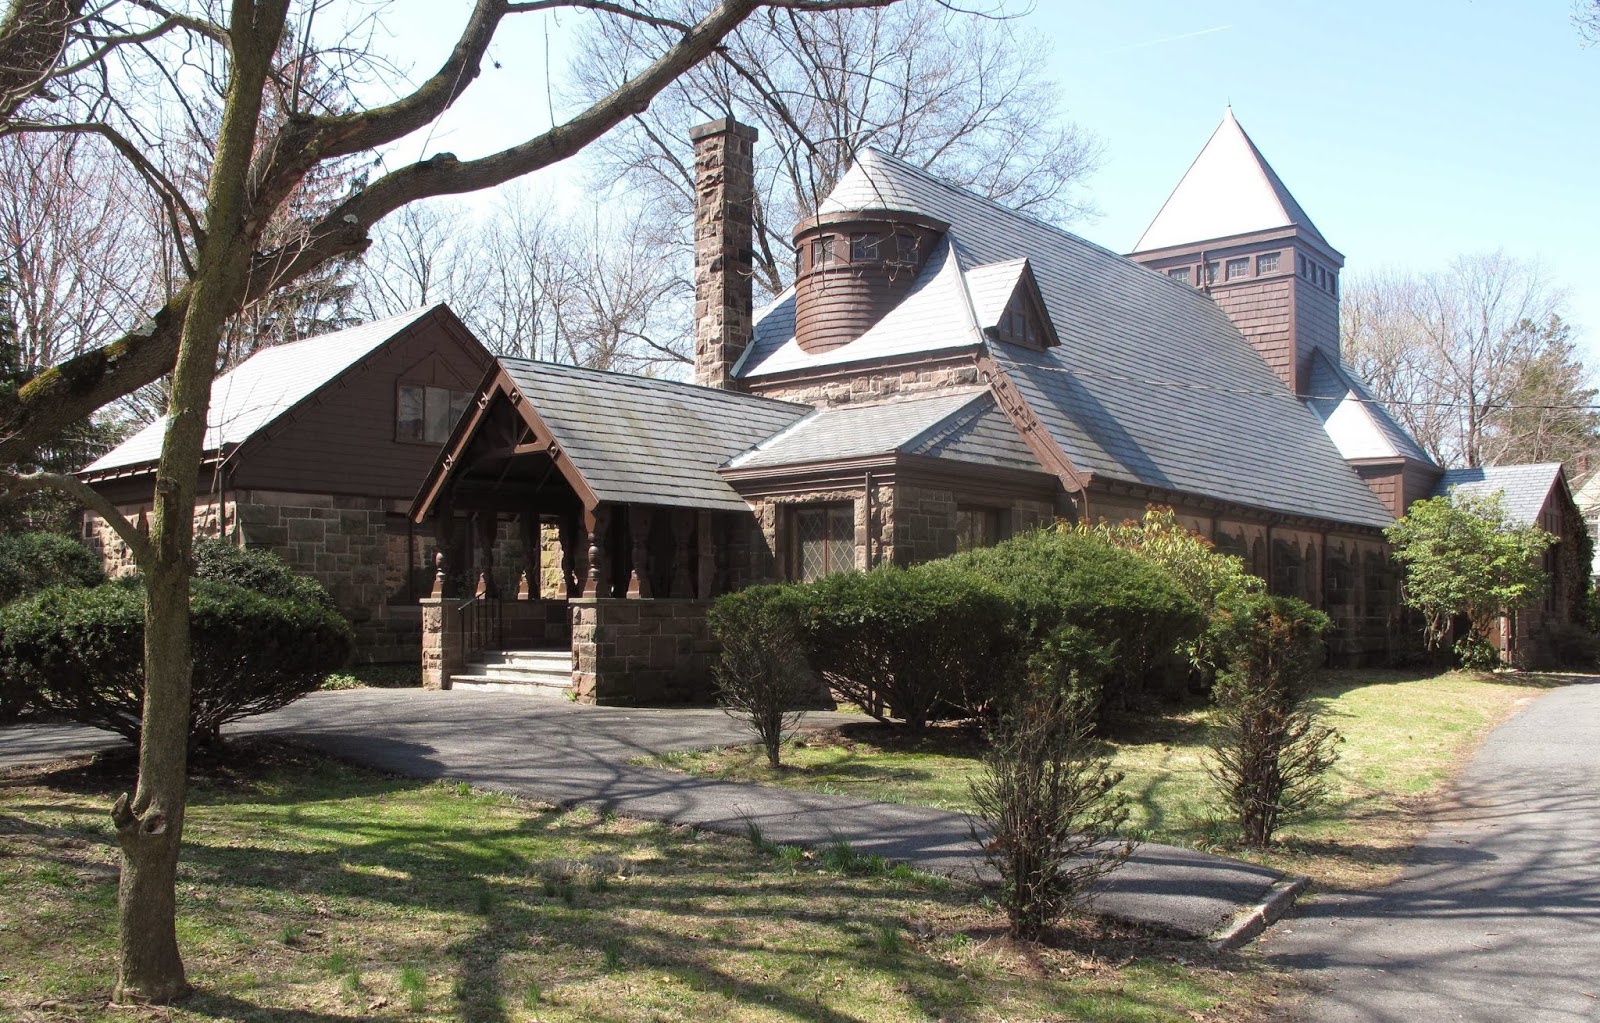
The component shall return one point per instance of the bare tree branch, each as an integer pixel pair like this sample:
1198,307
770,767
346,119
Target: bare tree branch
88,497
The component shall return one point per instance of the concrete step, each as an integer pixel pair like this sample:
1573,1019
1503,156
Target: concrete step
475,683
557,660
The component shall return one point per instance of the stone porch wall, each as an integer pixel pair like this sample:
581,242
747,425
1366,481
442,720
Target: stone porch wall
641,652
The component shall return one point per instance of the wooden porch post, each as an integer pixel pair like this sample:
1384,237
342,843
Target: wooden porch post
682,529
531,586
443,518
639,520
707,580
488,523
596,523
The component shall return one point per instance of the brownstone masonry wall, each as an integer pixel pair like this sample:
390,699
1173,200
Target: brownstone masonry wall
641,652
724,163
871,384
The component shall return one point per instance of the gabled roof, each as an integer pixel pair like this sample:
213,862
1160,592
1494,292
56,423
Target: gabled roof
1523,488
1229,190
1361,427
255,393
962,425
638,440
1152,383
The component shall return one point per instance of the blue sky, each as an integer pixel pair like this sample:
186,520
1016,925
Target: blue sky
1410,131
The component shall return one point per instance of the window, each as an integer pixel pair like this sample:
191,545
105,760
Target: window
1019,327
1267,263
428,414
865,247
905,248
822,250
1181,274
1211,273
824,541
977,527
1238,268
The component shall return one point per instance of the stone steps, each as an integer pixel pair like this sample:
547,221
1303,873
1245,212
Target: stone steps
530,672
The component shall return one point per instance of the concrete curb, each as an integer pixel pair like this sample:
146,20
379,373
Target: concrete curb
1248,925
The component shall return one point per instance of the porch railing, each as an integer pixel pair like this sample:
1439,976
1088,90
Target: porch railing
482,624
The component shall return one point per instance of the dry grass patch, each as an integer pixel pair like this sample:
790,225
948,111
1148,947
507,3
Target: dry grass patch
318,893
1405,735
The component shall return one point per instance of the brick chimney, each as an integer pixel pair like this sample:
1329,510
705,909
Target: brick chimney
724,180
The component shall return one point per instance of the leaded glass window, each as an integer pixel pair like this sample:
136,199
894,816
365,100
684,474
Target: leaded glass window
824,540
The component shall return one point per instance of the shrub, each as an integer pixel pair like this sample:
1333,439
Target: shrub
255,569
909,644
80,653
1132,609
1215,581
761,674
1045,804
1565,645
1269,755
30,562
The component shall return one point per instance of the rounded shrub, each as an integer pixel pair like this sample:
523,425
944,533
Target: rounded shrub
255,569
761,672
1137,614
909,644
30,562
80,652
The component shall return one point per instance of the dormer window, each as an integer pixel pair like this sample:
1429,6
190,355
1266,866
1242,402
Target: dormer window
1018,326
865,248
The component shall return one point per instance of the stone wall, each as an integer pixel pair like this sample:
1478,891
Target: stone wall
641,652
871,385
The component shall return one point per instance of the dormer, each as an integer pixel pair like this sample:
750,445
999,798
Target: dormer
855,266
1008,306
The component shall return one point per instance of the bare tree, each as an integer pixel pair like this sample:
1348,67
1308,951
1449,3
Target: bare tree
1452,351
428,252
117,65
1586,16
966,98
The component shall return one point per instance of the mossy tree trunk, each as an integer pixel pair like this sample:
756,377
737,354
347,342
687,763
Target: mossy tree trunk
150,825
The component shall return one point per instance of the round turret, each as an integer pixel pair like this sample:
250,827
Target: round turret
854,267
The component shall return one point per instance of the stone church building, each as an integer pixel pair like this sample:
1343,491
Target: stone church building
944,372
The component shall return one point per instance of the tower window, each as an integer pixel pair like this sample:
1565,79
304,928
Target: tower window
905,247
1182,274
1267,263
822,250
1211,273
865,247
1238,268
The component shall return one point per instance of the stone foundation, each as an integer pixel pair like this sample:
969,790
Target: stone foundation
641,652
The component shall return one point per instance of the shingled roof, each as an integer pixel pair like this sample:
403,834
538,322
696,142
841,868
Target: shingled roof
639,440
1151,384
1359,424
1229,190
1523,488
963,426
262,388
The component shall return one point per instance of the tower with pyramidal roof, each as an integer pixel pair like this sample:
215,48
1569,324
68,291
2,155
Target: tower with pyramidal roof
1232,229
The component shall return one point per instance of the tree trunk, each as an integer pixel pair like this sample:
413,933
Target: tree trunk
150,828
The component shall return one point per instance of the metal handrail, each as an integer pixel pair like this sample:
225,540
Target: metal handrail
482,623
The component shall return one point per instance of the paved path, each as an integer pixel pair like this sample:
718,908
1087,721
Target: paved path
1498,916
575,755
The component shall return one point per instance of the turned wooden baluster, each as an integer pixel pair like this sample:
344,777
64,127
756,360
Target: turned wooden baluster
639,519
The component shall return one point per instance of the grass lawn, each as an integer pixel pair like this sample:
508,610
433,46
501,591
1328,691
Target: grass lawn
1405,734
315,892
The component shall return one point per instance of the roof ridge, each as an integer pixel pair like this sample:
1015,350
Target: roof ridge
637,379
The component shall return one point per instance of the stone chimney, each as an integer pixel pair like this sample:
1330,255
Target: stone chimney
724,180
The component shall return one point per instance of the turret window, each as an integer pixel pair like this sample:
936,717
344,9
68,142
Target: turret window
865,247
905,248
822,250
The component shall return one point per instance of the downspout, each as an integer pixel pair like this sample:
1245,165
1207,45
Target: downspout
867,485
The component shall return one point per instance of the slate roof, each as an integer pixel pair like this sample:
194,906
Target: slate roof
248,398
935,315
962,425
1523,488
1151,383
1229,190
1361,427
640,440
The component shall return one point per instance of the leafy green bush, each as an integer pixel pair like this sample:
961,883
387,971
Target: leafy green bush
30,562
255,569
909,644
1127,614
79,653
1217,582
1269,755
1564,645
761,674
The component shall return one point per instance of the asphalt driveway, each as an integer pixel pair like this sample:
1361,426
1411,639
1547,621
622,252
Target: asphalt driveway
1497,918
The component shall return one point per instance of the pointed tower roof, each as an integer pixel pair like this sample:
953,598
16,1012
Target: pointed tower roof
1229,190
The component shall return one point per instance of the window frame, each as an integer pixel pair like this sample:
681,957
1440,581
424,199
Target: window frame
1262,269
1239,263
846,514
450,420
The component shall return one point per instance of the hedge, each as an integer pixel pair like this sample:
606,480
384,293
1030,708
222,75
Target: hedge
30,562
